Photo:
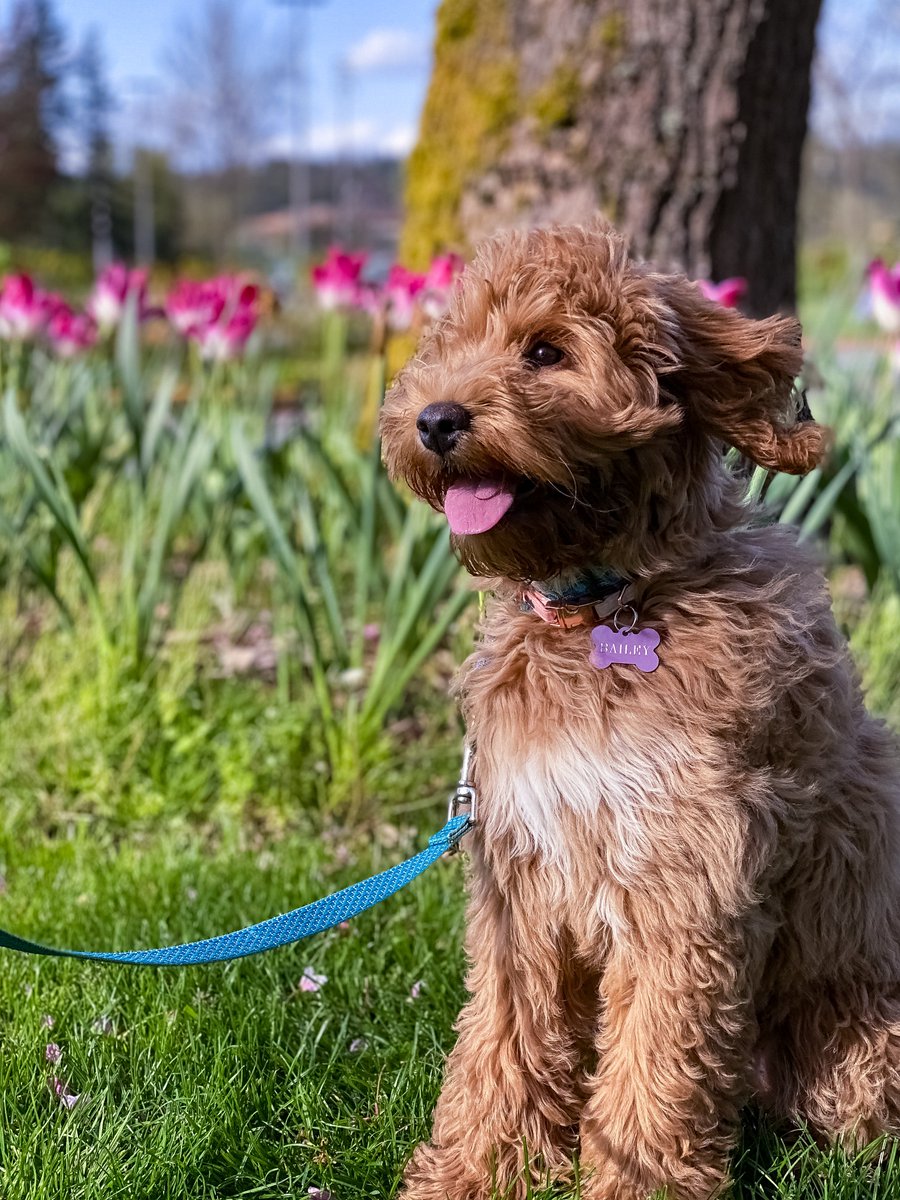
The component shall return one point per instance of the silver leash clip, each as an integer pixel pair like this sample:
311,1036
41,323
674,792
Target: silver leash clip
464,795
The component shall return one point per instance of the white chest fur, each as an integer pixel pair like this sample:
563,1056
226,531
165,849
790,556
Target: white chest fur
545,790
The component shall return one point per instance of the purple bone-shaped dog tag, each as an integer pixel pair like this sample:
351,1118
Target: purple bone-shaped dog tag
637,648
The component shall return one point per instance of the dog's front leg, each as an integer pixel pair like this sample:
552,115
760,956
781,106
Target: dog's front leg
510,1089
674,1060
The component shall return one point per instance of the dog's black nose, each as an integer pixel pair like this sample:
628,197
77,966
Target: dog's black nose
440,425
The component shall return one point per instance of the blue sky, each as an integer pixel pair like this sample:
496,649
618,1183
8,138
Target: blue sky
388,47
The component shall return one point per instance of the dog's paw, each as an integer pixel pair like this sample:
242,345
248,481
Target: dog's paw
455,1173
442,1187
607,1182
437,1173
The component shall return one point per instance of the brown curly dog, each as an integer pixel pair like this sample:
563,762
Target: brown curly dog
684,881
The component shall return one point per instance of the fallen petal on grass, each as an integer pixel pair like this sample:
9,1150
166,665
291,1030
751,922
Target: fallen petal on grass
310,981
60,1089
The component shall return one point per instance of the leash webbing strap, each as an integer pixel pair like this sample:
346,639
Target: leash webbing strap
276,931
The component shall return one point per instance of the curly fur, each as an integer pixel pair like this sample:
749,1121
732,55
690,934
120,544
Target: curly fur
684,885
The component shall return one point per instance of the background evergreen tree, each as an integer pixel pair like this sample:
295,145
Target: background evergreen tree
95,110
32,112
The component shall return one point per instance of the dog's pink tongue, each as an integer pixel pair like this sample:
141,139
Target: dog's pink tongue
475,506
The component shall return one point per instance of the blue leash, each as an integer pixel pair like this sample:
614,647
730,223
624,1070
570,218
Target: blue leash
289,927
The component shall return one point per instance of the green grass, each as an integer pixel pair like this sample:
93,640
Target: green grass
153,795
226,1080
143,809
182,808
229,1081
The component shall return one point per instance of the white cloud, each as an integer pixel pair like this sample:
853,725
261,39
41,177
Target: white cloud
387,50
353,135
398,142
363,137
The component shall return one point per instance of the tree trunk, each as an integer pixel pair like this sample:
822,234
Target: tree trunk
681,120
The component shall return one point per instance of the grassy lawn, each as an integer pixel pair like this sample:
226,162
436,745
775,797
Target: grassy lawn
227,1080
225,648
232,1080
173,815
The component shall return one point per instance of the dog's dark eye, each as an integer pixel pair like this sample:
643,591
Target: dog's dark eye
543,354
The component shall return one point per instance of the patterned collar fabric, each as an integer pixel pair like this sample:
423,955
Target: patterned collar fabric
566,600
588,586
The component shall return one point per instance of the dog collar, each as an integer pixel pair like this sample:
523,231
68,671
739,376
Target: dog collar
571,601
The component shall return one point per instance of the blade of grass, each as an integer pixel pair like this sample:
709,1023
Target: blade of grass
365,551
824,504
192,455
260,498
127,357
51,487
390,693
160,408
40,572
323,576
800,497
411,532
313,446
416,605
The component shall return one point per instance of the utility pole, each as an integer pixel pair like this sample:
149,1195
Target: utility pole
298,124
144,207
101,225
345,192
146,90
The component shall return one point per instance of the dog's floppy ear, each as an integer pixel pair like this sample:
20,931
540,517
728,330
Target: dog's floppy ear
735,376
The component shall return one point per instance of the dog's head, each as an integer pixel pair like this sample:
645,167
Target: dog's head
571,408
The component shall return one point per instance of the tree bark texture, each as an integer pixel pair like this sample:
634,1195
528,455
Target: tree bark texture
682,121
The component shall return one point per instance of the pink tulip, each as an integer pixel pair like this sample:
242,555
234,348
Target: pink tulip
728,293
24,308
400,292
884,287
111,290
223,316
439,282
225,340
443,271
337,280
191,305
369,298
71,333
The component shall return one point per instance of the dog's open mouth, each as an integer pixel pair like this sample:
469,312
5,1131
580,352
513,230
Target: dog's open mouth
477,505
